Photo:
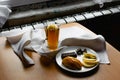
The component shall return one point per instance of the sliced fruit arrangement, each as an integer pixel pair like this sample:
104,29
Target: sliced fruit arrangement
89,60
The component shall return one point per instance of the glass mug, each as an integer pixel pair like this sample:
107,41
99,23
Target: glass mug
52,34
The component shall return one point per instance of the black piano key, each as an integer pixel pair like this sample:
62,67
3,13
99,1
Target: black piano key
34,23
17,26
23,25
11,28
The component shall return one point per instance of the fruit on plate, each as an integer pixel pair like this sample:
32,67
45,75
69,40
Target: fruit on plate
72,63
89,60
88,65
89,55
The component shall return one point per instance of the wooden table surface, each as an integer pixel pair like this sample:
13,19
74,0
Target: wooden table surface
11,67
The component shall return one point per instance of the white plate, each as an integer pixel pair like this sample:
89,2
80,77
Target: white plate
71,49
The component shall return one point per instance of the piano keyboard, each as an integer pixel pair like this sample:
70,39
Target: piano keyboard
62,20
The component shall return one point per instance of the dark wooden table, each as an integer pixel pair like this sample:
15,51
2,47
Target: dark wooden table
11,67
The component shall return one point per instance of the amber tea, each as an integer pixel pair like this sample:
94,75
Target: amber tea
52,33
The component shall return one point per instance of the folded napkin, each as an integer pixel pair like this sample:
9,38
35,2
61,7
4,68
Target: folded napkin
4,12
73,36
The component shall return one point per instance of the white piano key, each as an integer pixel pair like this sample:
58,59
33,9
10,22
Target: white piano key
38,25
50,22
12,32
17,31
27,27
114,10
88,15
69,19
79,17
60,21
3,33
97,13
106,12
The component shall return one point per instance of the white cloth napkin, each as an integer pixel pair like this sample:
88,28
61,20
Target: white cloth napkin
4,12
72,36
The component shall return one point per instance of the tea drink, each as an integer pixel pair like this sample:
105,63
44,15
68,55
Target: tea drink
52,36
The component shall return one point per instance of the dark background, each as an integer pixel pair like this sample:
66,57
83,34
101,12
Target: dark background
108,26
